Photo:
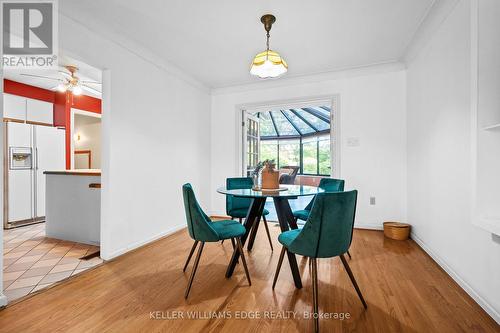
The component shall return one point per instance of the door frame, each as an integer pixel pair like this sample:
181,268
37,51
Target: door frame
72,131
335,131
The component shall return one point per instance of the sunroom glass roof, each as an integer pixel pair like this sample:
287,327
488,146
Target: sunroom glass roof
294,122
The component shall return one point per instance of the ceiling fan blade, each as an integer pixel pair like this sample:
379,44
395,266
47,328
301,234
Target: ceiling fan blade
91,82
65,74
90,89
43,77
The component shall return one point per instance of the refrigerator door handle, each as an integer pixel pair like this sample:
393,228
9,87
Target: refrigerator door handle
36,152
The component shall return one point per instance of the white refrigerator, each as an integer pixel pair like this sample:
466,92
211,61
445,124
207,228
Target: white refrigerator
30,151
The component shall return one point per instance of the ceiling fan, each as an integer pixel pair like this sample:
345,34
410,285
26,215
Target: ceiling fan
70,81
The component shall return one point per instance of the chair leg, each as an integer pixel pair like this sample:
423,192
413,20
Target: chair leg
240,220
353,280
314,275
196,262
268,234
232,243
350,258
278,268
243,260
190,255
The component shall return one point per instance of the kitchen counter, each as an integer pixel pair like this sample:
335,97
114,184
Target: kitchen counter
73,205
77,172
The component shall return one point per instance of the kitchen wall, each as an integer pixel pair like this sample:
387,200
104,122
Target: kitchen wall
372,109
89,139
155,137
440,192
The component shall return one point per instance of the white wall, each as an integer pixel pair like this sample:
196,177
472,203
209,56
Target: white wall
3,298
372,108
90,139
155,138
439,161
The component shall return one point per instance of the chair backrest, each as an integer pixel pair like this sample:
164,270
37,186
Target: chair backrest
289,178
237,183
329,185
198,222
328,230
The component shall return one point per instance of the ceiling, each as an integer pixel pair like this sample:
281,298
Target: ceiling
215,41
82,120
85,73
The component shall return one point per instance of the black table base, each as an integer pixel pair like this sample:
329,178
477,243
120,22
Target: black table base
286,221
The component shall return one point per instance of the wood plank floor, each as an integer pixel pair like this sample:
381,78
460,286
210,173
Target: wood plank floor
405,291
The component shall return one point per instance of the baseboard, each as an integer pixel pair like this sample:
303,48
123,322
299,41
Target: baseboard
3,300
136,245
369,226
461,282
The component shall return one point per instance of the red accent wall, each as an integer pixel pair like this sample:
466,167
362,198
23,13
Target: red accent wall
87,103
62,114
25,90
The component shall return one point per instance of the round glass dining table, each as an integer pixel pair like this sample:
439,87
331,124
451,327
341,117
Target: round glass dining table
285,217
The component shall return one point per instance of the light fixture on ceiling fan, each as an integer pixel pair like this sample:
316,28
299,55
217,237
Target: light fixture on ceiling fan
268,64
71,82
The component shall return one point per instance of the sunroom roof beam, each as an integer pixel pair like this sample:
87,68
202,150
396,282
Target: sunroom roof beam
274,123
316,114
304,120
291,122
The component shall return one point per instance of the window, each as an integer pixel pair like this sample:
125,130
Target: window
269,150
289,153
310,156
324,159
296,137
316,155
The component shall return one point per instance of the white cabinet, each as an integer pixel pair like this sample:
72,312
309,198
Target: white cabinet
14,107
39,111
27,109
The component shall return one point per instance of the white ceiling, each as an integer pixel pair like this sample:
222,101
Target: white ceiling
215,41
85,73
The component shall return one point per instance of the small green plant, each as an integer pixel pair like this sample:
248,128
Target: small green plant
270,164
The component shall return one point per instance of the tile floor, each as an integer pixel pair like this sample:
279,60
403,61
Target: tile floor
32,261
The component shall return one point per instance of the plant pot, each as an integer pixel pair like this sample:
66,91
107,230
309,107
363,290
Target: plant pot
270,179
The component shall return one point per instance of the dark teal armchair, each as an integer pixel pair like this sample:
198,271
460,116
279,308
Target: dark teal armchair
327,233
238,207
202,230
327,184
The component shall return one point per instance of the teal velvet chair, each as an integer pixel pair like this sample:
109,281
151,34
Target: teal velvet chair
238,207
327,233
202,230
327,184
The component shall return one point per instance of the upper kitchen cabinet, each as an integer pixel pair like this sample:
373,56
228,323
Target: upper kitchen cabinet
14,107
27,109
39,112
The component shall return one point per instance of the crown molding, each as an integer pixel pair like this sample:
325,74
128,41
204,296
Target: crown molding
436,14
139,51
343,73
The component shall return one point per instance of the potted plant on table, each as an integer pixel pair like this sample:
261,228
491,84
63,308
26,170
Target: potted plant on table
270,176
265,176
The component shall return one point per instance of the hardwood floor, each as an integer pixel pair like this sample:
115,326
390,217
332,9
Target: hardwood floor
405,291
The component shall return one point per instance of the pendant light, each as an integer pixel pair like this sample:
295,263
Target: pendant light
268,64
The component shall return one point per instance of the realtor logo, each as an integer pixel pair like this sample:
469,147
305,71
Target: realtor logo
29,37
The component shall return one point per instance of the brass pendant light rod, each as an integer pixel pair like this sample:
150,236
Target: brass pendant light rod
268,21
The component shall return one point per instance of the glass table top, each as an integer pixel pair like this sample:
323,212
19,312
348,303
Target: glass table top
287,191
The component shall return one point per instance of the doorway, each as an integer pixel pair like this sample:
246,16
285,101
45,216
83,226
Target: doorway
302,139
86,145
39,122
